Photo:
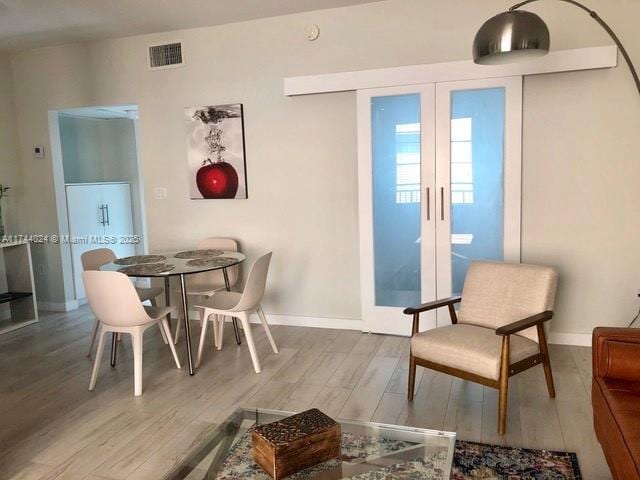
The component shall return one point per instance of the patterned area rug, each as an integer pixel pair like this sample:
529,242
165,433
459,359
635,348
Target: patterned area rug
477,461
239,462
472,461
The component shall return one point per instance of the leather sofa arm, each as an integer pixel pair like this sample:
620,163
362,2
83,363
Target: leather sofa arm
616,353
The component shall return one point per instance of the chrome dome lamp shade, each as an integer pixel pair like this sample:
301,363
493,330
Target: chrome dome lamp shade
517,35
510,37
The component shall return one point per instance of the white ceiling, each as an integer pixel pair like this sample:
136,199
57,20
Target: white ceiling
28,24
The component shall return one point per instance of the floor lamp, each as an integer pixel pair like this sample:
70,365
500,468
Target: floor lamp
516,35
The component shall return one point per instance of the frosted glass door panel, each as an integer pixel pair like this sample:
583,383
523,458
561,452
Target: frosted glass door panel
395,148
477,179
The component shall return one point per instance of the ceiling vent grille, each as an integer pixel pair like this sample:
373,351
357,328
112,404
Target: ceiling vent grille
168,55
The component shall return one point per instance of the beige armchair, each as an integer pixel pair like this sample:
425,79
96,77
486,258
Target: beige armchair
497,333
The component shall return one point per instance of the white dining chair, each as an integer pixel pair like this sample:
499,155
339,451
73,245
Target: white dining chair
240,305
116,305
207,283
92,260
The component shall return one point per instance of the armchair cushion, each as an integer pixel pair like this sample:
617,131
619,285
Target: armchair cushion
496,294
470,348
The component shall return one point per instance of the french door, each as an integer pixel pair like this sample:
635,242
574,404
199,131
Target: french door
439,169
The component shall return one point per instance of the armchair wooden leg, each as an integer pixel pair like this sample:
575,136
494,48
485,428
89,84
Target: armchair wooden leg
504,386
544,349
412,378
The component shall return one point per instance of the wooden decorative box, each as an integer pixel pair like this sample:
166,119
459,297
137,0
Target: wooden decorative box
301,441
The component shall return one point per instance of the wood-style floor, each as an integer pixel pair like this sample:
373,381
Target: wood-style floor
53,428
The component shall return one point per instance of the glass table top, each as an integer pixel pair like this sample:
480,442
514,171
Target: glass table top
369,451
174,263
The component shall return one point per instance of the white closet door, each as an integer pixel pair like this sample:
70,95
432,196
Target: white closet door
116,198
85,226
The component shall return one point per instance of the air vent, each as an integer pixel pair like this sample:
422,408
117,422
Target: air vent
167,55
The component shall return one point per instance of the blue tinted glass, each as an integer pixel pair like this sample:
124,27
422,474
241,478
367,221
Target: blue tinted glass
395,133
477,179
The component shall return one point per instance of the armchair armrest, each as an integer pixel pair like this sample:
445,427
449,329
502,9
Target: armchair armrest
525,323
431,305
616,352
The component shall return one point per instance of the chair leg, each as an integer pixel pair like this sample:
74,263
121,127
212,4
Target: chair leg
267,331
544,349
164,326
504,386
96,362
244,318
164,336
93,336
177,334
412,378
136,342
214,331
203,336
221,320
154,303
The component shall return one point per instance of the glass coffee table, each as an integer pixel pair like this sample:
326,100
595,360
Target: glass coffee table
369,451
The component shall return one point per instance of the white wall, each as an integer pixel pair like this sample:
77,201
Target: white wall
9,165
10,174
98,149
580,172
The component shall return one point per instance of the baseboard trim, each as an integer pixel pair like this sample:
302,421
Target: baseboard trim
299,321
557,338
315,322
58,306
576,339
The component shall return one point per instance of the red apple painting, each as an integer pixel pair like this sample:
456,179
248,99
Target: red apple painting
215,152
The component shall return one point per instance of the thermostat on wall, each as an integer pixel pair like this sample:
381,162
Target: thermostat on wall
38,151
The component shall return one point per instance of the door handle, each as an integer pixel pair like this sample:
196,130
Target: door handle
102,222
428,193
106,206
441,203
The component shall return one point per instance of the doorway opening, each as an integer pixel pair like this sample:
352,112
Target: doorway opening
99,188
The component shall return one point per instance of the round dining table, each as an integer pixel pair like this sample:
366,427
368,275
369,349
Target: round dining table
177,264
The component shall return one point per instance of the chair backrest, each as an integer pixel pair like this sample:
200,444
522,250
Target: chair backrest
496,294
113,298
215,278
255,286
94,259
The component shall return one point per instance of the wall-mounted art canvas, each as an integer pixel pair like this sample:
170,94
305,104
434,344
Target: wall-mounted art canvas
215,152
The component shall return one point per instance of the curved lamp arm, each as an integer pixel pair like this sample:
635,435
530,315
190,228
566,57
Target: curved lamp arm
604,25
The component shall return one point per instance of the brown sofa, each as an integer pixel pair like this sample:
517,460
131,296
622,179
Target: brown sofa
615,394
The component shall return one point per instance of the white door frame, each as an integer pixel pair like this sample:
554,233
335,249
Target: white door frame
433,153
370,312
